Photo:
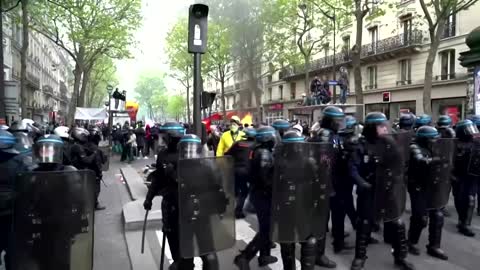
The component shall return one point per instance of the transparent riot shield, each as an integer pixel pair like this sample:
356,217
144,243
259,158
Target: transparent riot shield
106,157
54,220
206,205
474,163
438,183
390,187
301,191
403,139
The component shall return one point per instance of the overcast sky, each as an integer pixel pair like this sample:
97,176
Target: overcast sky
158,17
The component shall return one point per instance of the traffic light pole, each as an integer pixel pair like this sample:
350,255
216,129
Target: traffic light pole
197,94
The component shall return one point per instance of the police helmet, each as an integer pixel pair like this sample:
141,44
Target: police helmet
466,130
406,121
444,121
372,121
24,142
190,146
172,129
7,142
80,134
48,149
281,125
333,118
350,124
62,132
266,134
475,119
4,127
250,133
292,136
423,120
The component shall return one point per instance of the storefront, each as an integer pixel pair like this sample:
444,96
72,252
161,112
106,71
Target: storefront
273,112
453,107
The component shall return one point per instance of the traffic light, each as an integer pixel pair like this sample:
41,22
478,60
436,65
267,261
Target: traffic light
386,96
207,99
197,28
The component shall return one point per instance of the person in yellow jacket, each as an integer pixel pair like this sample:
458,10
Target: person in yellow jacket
230,137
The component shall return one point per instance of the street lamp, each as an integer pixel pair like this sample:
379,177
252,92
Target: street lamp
110,116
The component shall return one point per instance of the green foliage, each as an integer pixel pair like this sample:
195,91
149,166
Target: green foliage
176,106
218,59
103,74
177,51
150,87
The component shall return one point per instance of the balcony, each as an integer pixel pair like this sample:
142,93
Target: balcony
48,90
388,48
449,30
404,82
445,77
33,80
370,87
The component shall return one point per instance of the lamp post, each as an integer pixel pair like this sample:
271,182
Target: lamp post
110,116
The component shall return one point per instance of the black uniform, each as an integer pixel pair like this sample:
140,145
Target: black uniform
260,175
421,166
363,167
240,152
465,184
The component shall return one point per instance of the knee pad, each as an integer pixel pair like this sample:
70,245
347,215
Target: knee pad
397,223
210,259
311,241
471,201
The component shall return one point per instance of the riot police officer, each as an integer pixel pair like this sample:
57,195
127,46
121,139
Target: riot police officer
348,142
261,174
10,165
422,168
423,120
465,182
444,127
281,125
333,120
240,152
363,166
476,121
84,155
64,133
406,121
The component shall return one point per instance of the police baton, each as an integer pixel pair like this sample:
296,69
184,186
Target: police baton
144,229
162,259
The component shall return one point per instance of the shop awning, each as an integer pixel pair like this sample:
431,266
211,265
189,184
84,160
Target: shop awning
90,113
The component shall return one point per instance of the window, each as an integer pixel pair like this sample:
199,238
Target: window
269,94
406,28
450,25
346,44
280,90
325,49
373,32
447,65
372,77
270,78
405,72
293,90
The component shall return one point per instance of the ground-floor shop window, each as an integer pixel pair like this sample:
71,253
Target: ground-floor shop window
397,108
453,107
378,107
272,116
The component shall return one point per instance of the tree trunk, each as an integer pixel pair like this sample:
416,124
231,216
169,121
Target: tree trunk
356,54
77,73
224,110
307,75
432,54
83,91
23,60
2,75
188,103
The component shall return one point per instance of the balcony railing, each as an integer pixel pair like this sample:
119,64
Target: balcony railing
449,30
404,82
47,89
444,77
33,79
390,44
370,87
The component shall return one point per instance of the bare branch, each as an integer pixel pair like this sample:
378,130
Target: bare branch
427,14
13,7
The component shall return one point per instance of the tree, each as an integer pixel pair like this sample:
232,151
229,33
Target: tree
436,14
23,59
219,58
159,104
175,107
86,30
149,86
179,58
102,75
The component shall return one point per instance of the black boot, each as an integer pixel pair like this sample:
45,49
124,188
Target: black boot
288,256
435,235
464,225
363,235
307,254
416,226
465,230
357,264
322,260
400,246
242,261
337,248
266,260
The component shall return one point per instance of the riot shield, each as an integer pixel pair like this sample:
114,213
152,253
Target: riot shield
206,205
390,187
474,163
301,191
106,157
438,184
403,139
54,220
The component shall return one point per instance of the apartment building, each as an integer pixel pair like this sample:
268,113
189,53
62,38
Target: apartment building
49,74
394,53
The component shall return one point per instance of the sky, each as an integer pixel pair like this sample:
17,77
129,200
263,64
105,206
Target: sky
149,54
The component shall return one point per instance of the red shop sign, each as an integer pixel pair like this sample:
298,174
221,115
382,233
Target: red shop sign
278,106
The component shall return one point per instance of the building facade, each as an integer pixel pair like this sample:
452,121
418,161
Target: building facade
49,75
394,54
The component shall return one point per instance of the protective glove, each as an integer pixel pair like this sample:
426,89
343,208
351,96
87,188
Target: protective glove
147,204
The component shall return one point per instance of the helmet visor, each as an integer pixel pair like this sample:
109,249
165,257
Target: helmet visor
48,153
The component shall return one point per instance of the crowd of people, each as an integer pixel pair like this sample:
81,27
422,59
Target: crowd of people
371,161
